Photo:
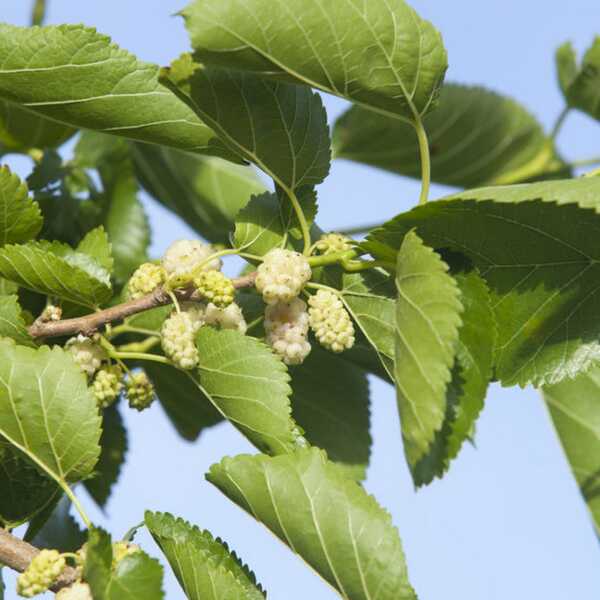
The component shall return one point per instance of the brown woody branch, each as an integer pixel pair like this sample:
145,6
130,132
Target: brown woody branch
91,323
17,554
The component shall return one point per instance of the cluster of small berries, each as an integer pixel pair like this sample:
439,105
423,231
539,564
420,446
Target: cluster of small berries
107,380
43,571
281,278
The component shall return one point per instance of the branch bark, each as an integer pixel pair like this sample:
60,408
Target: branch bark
91,323
17,554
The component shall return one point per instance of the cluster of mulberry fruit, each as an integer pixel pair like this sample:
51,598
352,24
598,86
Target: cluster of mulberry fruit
43,571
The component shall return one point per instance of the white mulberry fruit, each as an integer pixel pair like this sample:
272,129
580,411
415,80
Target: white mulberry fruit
227,318
332,243
178,338
107,385
77,591
184,256
145,280
43,570
286,326
215,287
88,354
140,391
330,321
282,275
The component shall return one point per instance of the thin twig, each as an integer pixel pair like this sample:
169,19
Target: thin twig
91,323
17,554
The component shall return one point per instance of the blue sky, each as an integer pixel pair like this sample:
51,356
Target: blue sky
508,521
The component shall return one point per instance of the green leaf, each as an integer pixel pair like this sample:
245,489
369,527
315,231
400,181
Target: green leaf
72,74
281,128
113,448
575,409
25,491
60,532
188,409
47,411
535,246
12,324
206,192
566,66
368,298
96,244
380,54
471,375
55,269
581,85
476,137
334,411
20,217
234,372
326,518
124,218
259,226
136,576
428,311
22,130
205,567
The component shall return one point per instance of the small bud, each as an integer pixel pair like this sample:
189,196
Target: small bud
77,591
43,570
178,338
184,256
123,549
107,385
51,313
140,391
332,243
226,318
286,326
215,287
145,280
88,354
282,275
330,321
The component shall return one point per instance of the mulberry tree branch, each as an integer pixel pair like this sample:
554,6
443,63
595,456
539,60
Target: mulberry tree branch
91,323
17,554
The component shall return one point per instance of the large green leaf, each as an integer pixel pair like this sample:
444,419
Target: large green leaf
72,74
57,270
378,53
280,127
96,244
334,410
206,192
47,411
21,130
428,311
326,518
249,386
113,445
581,84
20,217
476,137
135,577
12,324
575,409
204,566
25,491
124,217
189,410
535,246
471,375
